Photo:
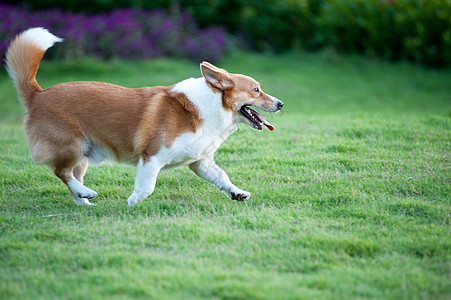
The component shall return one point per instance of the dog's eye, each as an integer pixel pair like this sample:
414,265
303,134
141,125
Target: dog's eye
256,90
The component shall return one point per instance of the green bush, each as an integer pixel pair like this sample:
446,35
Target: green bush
415,30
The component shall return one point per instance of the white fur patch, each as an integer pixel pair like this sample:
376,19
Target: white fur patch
209,104
96,153
216,120
40,37
146,178
80,190
217,125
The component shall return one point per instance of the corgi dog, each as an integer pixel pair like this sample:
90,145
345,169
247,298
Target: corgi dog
74,124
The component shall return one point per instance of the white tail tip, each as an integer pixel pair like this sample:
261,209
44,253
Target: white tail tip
41,37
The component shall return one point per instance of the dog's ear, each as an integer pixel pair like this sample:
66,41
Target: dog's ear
217,77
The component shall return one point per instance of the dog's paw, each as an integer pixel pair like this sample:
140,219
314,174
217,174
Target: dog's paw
87,194
83,201
80,191
132,200
240,195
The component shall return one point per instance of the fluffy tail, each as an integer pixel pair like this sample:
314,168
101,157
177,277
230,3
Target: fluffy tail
23,58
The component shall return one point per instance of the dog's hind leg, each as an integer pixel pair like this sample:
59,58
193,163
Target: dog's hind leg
80,193
71,169
80,169
79,172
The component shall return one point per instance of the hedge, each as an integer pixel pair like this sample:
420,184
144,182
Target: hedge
125,33
414,30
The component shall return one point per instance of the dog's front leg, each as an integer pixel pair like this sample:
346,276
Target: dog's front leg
146,178
207,169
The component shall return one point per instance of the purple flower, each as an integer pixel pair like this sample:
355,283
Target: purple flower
208,45
124,33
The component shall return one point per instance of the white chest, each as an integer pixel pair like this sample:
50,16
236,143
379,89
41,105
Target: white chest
191,147
217,125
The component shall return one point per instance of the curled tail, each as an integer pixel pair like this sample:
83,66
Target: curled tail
23,58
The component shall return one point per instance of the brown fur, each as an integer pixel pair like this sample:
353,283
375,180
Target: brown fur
70,122
236,89
130,123
21,52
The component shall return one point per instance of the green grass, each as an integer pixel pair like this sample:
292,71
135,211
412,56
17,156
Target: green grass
350,194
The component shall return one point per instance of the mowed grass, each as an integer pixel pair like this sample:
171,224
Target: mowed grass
350,194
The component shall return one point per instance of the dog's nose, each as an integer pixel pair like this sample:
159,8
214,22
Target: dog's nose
279,105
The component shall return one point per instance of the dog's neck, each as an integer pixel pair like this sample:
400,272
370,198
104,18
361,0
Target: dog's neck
207,102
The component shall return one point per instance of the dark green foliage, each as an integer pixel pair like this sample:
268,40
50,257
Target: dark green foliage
125,33
419,31
415,30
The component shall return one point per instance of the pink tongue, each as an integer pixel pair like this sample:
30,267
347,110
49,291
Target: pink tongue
270,127
266,123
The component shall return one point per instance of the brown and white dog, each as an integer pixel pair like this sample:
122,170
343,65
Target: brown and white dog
72,124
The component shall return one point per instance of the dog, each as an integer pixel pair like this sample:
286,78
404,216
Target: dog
74,124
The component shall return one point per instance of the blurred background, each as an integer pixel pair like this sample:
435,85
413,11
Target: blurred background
409,30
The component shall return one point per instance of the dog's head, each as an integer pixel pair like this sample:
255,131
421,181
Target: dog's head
239,93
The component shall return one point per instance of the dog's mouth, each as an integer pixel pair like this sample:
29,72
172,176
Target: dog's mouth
255,119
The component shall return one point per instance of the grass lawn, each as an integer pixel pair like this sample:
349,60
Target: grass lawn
350,194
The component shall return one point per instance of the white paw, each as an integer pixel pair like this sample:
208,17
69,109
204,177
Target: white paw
82,201
88,194
80,190
132,200
239,195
